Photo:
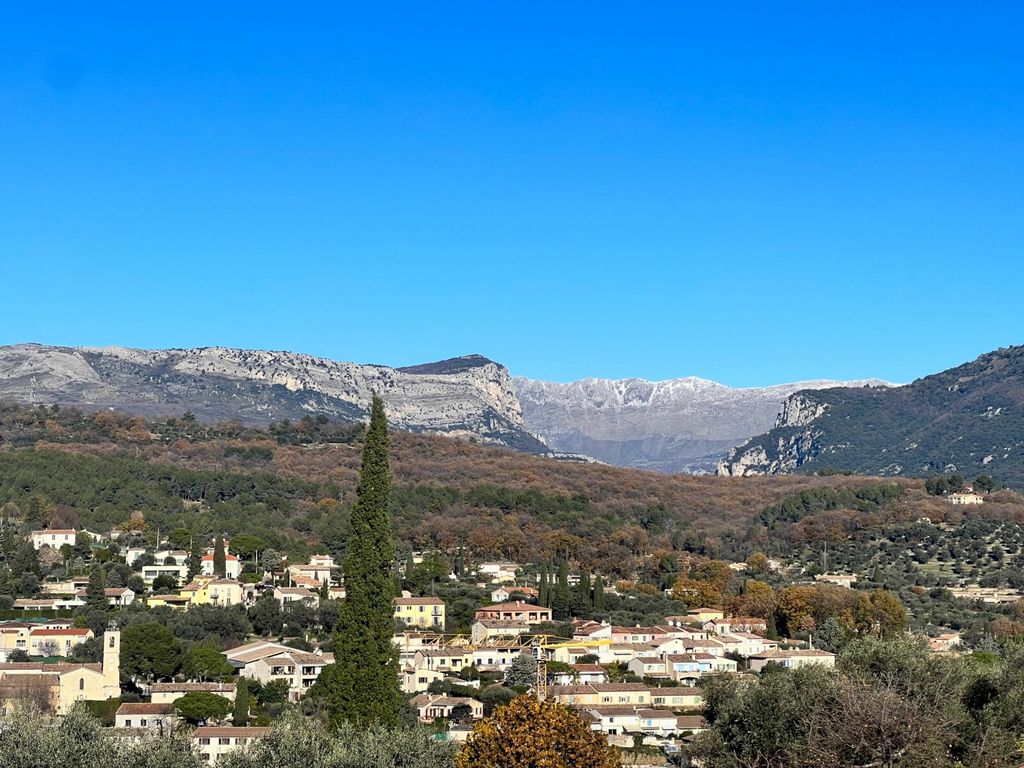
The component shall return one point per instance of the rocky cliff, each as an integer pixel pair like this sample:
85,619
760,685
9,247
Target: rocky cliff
678,425
465,397
969,419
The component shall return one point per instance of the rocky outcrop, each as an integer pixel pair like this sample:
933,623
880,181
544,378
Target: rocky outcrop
970,418
684,424
466,397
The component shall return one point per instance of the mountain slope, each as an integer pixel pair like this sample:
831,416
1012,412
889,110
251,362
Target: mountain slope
681,424
969,419
466,397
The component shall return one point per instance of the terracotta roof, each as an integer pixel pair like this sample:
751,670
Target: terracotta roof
61,632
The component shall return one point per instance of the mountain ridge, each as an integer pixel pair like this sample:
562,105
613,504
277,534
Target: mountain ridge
684,424
969,419
473,399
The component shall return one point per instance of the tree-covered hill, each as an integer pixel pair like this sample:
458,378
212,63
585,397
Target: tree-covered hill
968,419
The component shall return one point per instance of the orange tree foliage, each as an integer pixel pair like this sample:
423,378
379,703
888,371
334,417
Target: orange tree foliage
528,733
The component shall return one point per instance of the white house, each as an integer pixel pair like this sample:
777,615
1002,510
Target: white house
53,537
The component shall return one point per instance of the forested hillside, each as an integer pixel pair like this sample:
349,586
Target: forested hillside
968,419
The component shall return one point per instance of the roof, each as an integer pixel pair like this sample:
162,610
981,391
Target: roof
208,732
59,668
798,653
55,530
690,722
188,687
516,606
302,591
681,690
418,601
83,632
144,708
226,557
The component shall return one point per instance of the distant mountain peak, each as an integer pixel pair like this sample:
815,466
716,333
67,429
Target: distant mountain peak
451,365
671,425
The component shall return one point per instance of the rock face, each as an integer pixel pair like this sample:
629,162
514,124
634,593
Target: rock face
465,397
678,425
968,419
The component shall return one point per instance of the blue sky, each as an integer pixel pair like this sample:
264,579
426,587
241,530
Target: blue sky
754,193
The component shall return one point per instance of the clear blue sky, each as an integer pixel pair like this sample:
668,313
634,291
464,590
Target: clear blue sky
751,192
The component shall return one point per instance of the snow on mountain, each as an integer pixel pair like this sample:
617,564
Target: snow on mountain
685,424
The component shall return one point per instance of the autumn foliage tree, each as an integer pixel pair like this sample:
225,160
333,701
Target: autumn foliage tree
529,733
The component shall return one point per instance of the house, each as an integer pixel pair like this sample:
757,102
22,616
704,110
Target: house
420,611
793,659
47,604
232,566
55,688
134,553
418,680
321,561
206,590
309,573
53,537
299,669
448,660
518,611
841,579
176,556
965,497
213,743
501,594
45,641
648,666
581,674
483,630
498,572
691,724
431,707
496,658
684,697
144,714
596,694
947,641
749,624
285,595
169,601
116,596
168,693
638,634
150,573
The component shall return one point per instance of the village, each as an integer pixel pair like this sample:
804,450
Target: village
637,685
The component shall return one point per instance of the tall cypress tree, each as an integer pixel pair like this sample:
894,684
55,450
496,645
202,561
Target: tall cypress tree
220,560
599,594
362,685
542,587
561,600
95,590
240,717
581,604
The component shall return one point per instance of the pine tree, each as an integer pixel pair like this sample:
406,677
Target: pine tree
599,594
95,594
561,600
362,685
240,717
220,560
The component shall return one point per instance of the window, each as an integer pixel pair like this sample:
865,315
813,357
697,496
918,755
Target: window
143,722
128,723
81,683
204,741
224,741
